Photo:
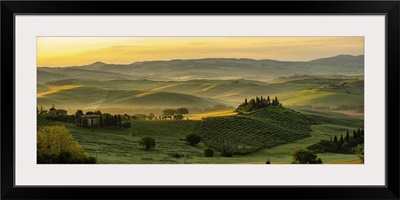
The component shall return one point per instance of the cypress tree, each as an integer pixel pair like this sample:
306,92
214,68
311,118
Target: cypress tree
362,132
341,138
354,135
245,101
347,136
335,139
101,121
119,120
257,101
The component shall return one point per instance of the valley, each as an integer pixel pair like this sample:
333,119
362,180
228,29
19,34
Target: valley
318,100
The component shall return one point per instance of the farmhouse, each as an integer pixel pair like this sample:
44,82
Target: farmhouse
53,111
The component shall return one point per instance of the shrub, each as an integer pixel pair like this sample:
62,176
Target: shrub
301,156
209,152
178,117
148,143
345,148
193,139
324,146
226,149
360,153
126,125
56,145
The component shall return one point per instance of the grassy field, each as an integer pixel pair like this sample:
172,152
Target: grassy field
119,146
265,134
125,96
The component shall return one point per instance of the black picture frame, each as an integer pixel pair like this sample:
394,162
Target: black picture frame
11,8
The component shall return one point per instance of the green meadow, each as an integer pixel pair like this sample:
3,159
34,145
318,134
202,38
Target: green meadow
309,108
117,146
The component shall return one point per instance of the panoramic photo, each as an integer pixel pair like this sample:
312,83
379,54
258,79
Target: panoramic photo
200,100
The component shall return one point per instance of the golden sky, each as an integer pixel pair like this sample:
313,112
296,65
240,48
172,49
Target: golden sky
74,51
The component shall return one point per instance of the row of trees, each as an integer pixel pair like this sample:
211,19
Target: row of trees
96,118
177,114
342,144
357,108
257,103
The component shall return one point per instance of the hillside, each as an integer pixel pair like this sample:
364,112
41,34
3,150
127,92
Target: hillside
263,128
210,68
45,74
73,97
228,92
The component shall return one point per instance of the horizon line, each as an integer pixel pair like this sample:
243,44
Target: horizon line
192,59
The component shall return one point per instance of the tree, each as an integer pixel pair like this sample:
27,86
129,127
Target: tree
97,112
119,120
301,156
362,133
151,116
115,122
169,112
56,145
245,101
107,119
127,117
79,113
335,138
182,111
193,139
101,121
226,148
139,116
89,113
178,117
341,138
126,124
347,136
209,152
360,153
345,148
148,143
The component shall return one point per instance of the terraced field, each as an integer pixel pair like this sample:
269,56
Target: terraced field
263,128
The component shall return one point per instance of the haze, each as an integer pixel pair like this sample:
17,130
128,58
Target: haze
75,51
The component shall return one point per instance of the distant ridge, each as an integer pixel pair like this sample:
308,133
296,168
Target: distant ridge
342,59
220,68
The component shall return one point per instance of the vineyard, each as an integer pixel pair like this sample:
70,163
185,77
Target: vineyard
252,131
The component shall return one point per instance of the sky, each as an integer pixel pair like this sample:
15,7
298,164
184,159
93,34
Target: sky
76,51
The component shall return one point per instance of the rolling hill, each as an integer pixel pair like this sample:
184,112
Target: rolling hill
228,92
201,83
263,128
209,68
72,97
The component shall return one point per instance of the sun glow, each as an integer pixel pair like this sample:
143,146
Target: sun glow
73,51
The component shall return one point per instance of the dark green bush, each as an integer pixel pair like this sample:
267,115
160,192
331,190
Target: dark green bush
209,152
148,143
193,139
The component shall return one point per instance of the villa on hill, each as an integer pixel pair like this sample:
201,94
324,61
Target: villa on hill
53,111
